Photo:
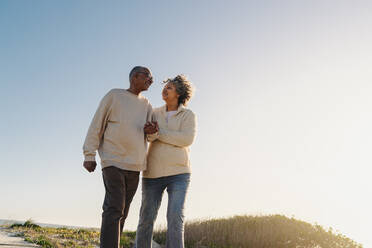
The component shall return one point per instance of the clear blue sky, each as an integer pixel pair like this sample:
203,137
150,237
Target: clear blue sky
283,101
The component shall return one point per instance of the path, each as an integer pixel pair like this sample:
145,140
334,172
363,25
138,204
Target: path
8,240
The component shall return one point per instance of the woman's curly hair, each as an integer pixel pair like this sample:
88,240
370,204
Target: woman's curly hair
184,88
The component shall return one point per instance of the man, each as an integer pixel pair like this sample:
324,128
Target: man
117,132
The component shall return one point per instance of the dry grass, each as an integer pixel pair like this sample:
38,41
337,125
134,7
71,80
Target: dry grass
48,237
275,231
58,237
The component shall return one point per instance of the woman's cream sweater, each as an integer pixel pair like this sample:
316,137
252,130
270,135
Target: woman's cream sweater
169,151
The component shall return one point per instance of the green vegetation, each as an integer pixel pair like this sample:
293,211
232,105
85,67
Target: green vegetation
275,231
48,237
28,224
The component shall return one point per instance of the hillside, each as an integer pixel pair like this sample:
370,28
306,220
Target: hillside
273,231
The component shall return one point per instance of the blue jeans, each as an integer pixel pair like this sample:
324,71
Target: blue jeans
152,192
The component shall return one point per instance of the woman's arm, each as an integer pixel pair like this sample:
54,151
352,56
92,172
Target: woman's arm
183,137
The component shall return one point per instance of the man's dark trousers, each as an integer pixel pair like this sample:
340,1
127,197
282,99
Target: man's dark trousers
120,186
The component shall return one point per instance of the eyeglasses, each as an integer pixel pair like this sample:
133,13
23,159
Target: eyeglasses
147,74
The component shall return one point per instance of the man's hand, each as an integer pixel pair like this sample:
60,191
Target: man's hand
151,128
90,165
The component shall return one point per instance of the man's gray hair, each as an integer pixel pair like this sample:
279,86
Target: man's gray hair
137,69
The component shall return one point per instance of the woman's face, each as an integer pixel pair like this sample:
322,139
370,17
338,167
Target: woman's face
169,93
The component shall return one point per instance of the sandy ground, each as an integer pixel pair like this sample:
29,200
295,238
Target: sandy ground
7,240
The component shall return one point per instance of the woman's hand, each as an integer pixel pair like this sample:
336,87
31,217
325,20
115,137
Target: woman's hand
151,128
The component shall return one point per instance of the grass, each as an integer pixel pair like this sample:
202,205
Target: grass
273,231
48,237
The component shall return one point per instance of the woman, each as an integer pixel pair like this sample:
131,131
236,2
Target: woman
168,164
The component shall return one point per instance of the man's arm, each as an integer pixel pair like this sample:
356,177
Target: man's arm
151,127
95,131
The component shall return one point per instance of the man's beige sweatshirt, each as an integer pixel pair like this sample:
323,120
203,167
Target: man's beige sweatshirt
169,148
117,132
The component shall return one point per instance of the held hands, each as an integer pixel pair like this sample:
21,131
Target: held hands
90,166
151,127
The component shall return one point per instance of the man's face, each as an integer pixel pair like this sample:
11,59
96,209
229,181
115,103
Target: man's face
143,80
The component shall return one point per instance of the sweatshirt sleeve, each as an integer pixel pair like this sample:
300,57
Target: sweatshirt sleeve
151,117
182,138
150,113
97,127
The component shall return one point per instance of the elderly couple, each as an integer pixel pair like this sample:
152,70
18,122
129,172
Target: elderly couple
122,125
